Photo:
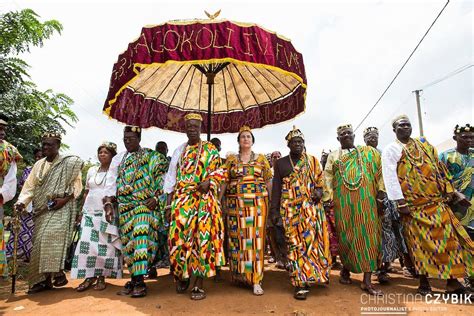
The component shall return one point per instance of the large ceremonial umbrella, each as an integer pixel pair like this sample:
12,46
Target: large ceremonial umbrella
232,73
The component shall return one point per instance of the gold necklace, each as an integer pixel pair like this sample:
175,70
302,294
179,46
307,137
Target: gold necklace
252,157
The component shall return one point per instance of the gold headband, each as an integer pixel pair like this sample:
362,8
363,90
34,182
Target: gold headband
371,129
343,127
399,118
193,116
294,133
53,135
245,128
461,129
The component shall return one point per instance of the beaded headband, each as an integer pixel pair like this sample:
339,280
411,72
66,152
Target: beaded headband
343,127
461,129
109,145
371,129
295,132
193,116
53,135
399,118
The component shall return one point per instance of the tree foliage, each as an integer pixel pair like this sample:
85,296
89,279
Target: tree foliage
30,111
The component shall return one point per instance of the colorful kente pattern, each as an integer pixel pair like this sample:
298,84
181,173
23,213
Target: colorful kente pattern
196,230
140,177
247,205
305,224
357,221
461,169
438,244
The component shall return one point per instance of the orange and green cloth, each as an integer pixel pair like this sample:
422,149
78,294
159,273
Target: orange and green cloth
440,247
196,230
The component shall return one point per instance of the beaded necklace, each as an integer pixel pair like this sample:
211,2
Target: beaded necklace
252,157
359,175
416,158
104,178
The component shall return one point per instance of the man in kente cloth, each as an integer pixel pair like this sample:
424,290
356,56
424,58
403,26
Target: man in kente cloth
196,227
9,156
460,164
353,177
296,197
139,172
416,179
53,186
393,243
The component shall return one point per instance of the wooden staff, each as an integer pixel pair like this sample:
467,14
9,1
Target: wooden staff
16,231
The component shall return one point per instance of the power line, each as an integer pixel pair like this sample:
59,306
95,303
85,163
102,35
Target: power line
449,75
403,66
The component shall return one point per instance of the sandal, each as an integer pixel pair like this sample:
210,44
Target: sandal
369,288
300,293
197,294
345,277
280,265
257,290
127,289
100,285
40,287
60,280
139,290
424,290
86,284
152,274
182,286
383,278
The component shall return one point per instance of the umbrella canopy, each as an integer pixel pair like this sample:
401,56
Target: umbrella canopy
232,73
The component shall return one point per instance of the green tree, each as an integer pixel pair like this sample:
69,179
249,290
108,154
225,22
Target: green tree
31,112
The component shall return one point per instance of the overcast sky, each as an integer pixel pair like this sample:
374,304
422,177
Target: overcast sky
351,51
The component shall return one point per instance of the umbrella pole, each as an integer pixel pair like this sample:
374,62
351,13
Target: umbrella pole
209,105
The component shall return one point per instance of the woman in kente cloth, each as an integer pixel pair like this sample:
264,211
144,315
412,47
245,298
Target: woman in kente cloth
248,178
98,251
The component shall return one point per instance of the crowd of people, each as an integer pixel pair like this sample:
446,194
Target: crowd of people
196,212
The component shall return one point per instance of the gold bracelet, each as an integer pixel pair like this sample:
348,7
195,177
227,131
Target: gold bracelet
402,205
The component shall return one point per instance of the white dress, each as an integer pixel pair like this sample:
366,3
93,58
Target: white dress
98,252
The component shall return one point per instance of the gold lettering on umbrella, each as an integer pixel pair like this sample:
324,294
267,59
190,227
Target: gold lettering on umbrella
228,38
260,46
154,40
142,36
177,42
210,42
247,37
187,40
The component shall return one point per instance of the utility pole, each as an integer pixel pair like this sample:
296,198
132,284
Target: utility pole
420,120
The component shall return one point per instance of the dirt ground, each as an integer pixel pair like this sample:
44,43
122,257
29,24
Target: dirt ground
226,299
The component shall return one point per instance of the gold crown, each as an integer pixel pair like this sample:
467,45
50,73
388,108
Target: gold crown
245,128
399,118
342,127
460,129
295,132
370,130
193,116
52,135
135,129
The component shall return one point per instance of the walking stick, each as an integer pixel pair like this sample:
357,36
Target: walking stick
16,230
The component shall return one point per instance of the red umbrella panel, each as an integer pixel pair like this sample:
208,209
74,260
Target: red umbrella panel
232,73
